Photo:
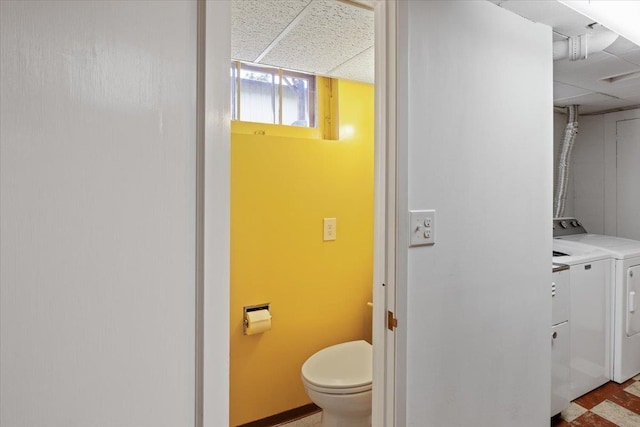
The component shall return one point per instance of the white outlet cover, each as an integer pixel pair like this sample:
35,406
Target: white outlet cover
421,234
329,229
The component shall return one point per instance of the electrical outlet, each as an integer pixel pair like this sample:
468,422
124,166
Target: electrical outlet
329,229
422,227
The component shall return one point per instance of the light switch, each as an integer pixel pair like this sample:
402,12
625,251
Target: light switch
422,227
329,229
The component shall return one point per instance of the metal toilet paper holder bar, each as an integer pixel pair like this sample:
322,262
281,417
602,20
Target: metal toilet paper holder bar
247,308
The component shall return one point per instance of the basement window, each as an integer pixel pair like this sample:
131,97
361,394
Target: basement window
272,95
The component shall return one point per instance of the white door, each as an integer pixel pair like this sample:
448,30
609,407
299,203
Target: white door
97,188
475,136
628,178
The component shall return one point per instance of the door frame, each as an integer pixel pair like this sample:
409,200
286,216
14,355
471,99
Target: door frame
387,384
213,220
213,202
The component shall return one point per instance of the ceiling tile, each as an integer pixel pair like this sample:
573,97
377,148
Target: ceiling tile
587,103
562,91
633,100
633,56
327,36
596,102
256,23
587,99
607,106
359,68
621,46
588,74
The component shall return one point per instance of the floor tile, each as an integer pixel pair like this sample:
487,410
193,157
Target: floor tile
616,414
572,412
313,420
590,419
633,389
612,405
597,396
626,400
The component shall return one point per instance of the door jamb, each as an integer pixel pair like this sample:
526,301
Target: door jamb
386,411
213,187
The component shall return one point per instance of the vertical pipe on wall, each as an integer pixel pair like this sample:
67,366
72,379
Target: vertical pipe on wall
564,163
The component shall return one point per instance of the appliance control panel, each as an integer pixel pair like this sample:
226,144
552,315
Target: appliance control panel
567,226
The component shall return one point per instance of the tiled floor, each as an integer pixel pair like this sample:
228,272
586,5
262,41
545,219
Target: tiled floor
612,405
310,421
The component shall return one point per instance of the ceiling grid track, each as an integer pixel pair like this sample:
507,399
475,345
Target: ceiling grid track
284,32
331,71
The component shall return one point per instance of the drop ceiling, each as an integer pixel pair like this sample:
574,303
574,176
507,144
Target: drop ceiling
584,82
336,37
325,37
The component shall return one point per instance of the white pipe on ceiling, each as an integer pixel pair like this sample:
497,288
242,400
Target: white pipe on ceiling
580,47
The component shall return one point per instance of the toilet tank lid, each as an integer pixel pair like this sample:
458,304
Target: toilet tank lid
343,365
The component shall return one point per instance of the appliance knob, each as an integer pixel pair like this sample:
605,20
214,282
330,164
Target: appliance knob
574,223
563,224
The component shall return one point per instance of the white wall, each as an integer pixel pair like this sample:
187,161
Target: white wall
97,213
476,133
594,174
587,176
627,135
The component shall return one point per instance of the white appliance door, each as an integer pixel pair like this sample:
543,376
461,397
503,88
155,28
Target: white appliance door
590,323
633,287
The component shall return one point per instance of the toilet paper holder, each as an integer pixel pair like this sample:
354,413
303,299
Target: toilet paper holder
249,308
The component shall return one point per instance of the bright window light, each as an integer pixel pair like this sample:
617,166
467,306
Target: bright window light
271,95
623,17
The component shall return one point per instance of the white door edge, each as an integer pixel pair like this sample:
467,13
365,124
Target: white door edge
212,405
385,412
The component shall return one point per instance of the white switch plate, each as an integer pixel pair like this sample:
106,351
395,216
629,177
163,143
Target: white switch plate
422,227
329,229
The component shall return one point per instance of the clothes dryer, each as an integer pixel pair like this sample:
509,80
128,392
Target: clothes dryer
625,254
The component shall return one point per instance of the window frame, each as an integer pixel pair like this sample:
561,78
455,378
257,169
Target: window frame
278,76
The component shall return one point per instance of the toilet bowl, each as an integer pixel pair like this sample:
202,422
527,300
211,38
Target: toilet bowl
338,380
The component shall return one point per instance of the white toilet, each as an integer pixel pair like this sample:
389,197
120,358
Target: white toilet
338,380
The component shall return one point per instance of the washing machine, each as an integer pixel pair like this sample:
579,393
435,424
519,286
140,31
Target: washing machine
589,322
625,276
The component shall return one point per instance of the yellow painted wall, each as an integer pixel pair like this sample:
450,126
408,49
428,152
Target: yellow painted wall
281,189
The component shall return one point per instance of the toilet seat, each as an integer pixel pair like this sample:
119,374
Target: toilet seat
340,369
